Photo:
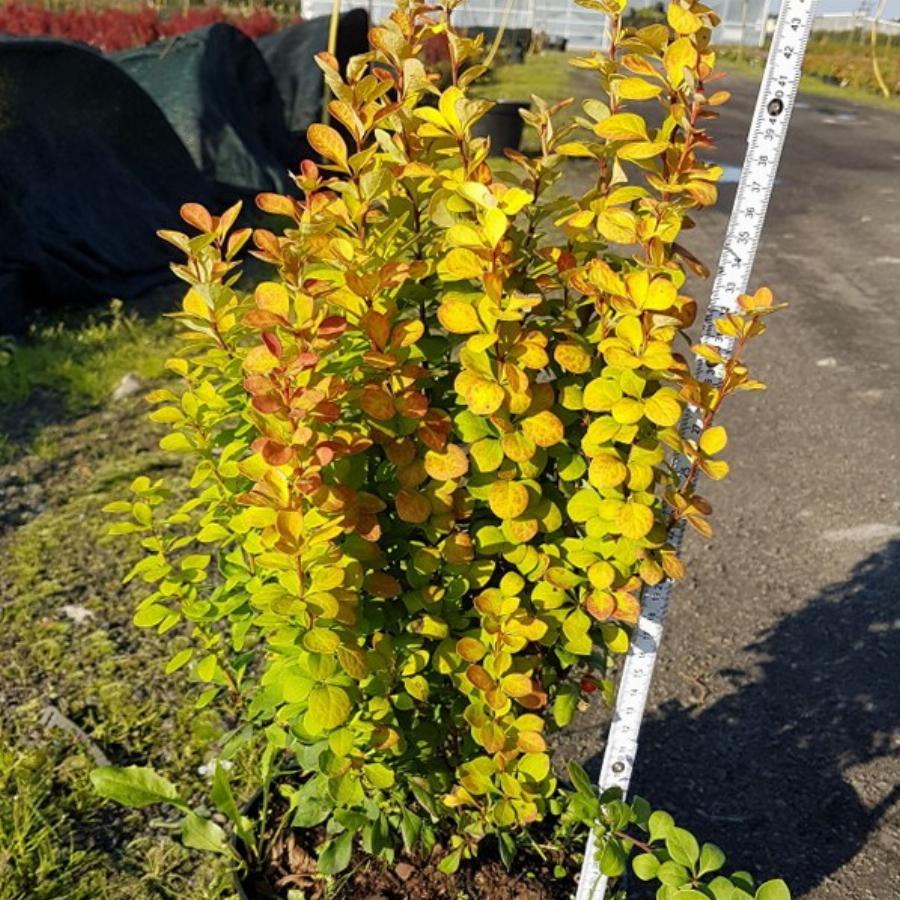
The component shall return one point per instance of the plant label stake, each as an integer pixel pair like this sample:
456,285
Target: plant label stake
765,140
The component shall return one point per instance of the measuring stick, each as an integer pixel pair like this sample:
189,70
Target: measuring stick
768,129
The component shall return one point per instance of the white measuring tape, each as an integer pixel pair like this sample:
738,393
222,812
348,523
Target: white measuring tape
768,129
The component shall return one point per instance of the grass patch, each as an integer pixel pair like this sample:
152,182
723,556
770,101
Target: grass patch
546,74
67,644
83,363
817,67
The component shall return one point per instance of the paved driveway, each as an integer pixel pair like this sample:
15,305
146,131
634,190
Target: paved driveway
774,721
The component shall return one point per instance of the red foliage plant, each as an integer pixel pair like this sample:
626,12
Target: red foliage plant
115,29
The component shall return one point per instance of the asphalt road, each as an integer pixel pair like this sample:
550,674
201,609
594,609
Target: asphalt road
773,728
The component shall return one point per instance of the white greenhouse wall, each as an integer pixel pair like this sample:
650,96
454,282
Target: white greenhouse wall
743,21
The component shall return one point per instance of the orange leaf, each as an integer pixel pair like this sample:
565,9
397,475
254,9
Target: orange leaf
450,463
328,143
545,429
508,499
413,507
377,403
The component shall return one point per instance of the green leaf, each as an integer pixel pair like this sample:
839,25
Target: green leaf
564,707
645,866
134,786
379,775
683,847
507,849
613,859
673,874
202,834
722,888
581,780
410,828
223,798
335,855
212,532
583,505
773,890
450,863
712,858
660,825
176,442
329,708
178,660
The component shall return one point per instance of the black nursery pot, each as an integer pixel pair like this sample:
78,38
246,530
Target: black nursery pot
503,125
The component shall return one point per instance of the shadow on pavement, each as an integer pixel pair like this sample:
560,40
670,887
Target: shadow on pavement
763,771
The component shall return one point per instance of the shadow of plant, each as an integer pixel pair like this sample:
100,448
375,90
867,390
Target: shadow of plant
763,770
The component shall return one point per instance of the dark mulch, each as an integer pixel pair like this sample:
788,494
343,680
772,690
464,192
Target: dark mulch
291,864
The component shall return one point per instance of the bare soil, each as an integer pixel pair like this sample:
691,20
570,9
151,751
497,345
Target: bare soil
291,863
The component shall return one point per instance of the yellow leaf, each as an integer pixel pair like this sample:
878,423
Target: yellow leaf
574,148
260,360
450,463
637,89
484,397
329,707
607,471
273,298
716,469
194,304
635,520
702,191
488,454
605,278
447,106
601,575
601,394
328,143
627,411
622,127
460,264
572,357
545,429
642,150
517,446
463,235
713,440
680,55
516,685
661,295
458,317
682,21
470,649
663,408
618,225
495,225
508,499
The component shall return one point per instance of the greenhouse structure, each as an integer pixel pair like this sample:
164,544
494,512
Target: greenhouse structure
743,21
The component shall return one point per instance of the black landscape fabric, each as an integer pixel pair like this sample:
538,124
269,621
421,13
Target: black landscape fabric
290,54
217,92
91,169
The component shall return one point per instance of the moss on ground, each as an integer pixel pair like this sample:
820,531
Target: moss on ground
79,678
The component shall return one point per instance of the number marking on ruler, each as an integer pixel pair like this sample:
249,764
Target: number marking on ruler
765,141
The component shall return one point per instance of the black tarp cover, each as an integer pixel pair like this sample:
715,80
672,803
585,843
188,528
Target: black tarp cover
290,54
90,170
218,94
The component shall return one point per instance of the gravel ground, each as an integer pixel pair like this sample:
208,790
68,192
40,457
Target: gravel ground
773,727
